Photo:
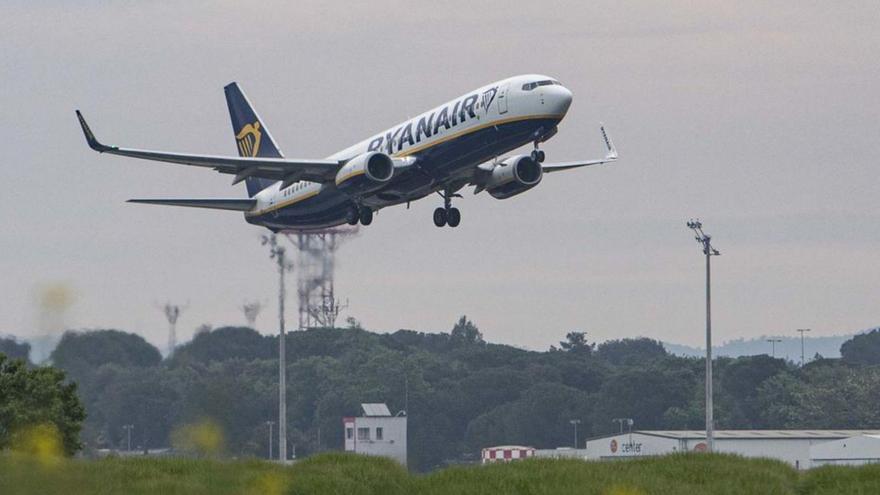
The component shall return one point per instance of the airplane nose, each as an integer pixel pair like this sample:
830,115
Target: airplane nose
559,98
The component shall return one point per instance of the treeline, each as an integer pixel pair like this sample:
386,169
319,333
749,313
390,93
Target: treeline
461,393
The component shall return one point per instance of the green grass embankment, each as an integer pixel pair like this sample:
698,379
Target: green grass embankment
345,474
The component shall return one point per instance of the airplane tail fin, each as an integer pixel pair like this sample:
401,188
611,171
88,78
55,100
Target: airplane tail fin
251,135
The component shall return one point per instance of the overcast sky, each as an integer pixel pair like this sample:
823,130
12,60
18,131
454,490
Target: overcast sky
761,118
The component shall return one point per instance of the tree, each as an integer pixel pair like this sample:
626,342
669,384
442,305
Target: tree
540,418
862,349
740,380
225,343
583,375
36,398
631,352
144,398
466,332
643,394
460,393
353,324
576,342
81,352
15,349
840,397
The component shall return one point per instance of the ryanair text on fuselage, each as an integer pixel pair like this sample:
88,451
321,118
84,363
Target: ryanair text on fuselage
413,131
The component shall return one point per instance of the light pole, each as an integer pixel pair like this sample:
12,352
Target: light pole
278,254
575,422
128,429
773,345
802,332
270,423
705,241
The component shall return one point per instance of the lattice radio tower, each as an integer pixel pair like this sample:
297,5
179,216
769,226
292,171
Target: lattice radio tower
316,263
172,314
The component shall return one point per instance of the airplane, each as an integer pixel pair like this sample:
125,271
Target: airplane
460,143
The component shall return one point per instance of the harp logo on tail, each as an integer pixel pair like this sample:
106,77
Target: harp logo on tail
248,140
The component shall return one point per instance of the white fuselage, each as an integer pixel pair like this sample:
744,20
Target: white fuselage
438,149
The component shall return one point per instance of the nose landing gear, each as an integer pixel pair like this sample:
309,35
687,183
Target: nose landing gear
540,136
447,214
537,154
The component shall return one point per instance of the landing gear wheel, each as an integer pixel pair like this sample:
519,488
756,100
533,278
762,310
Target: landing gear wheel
352,217
538,155
440,217
366,216
453,217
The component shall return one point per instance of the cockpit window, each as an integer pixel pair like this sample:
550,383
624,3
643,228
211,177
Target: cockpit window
546,82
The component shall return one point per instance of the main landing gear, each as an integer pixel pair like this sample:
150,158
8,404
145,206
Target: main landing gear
362,215
447,215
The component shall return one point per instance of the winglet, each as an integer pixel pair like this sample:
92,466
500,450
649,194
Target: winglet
611,154
90,137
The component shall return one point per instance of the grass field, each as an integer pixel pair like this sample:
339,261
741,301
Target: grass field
346,474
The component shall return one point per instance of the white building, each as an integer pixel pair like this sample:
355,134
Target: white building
796,447
852,451
377,432
561,453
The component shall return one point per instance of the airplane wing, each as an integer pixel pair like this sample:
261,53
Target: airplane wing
283,169
610,156
214,204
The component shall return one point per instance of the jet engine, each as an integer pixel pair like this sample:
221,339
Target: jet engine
514,175
365,173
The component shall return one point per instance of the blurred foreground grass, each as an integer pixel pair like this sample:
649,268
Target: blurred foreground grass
346,474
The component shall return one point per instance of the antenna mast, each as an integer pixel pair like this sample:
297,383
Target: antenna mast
172,314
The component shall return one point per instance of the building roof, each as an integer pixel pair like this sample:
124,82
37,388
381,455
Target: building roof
753,434
375,410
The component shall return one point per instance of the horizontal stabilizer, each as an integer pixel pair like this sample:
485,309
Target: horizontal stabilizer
214,204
